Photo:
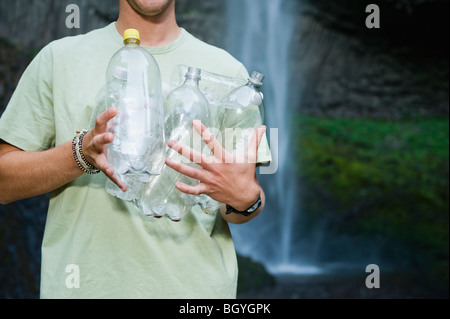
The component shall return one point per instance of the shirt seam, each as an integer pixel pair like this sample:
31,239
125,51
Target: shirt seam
153,50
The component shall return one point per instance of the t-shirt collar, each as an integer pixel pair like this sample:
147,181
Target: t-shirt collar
153,50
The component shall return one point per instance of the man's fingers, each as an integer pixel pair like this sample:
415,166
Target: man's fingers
98,142
191,154
113,178
192,190
211,142
122,186
189,171
103,165
103,119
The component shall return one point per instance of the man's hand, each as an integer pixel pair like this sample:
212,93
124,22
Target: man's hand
95,143
225,177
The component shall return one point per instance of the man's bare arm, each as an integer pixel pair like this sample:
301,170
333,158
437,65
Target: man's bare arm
27,174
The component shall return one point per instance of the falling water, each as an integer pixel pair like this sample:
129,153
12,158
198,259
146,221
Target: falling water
259,34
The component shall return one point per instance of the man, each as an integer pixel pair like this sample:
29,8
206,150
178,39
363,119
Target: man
117,252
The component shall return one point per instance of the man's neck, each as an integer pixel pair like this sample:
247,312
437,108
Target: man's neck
155,31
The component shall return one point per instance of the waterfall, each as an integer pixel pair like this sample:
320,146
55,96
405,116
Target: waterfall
259,35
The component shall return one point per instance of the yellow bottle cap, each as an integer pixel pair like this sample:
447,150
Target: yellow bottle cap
130,34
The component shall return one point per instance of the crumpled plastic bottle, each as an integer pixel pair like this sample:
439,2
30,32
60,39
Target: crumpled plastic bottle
244,112
134,86
183,105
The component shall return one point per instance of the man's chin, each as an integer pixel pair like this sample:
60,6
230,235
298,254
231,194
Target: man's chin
149,7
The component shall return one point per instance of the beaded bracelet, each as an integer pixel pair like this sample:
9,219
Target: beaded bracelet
81,161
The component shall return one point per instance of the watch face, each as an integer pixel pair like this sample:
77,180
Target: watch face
254,207
247,212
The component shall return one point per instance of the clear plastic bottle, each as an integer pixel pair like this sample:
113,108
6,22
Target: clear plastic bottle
244,112
182,106
134,87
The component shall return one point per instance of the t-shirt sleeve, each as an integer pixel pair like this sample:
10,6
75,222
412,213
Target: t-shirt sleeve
28,120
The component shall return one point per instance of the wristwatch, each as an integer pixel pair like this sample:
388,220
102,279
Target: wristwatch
246,212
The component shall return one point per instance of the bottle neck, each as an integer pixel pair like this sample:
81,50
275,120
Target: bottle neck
192,80
253,85
129,41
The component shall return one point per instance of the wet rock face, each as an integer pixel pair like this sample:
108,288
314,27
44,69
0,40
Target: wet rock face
347,70
21,231
37,22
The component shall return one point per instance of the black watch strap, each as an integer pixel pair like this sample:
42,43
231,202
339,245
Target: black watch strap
246,212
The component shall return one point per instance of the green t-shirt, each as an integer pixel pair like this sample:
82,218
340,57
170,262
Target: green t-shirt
95,245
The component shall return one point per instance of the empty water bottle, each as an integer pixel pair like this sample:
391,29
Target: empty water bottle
243,113
182,106
134,87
